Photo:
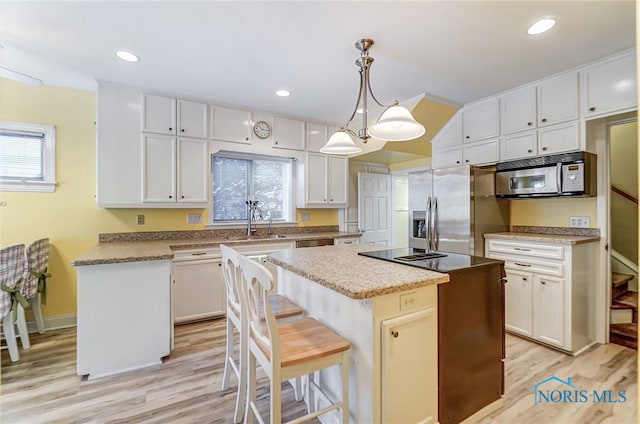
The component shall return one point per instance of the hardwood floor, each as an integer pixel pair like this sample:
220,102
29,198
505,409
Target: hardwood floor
43,386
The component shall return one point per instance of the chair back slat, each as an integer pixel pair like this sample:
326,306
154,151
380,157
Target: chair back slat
11,273
231,271
257,282
36,260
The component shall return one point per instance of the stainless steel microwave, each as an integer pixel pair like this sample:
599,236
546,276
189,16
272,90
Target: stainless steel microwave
569,174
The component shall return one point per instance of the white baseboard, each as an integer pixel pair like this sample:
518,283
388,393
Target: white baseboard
52,323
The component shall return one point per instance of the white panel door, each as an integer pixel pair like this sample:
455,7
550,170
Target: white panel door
559,138
337,179
316,179
518,302
316,136
288,134
558,100
518,110
374,208
549,307
193,175
230,125
199,290
193,119
159,169
159,114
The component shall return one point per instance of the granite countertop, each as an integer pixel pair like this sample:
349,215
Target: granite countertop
341,269
545,238
137,250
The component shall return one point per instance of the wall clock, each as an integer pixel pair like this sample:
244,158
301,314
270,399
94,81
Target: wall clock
262,129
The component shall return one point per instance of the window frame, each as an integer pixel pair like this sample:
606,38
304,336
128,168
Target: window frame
48,182
290,208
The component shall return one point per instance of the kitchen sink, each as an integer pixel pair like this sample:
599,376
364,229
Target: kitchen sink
265,237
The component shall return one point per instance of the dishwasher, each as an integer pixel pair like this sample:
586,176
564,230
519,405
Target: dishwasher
314,243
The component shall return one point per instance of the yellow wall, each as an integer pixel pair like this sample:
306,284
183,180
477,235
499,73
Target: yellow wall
69,216
417,163
554,212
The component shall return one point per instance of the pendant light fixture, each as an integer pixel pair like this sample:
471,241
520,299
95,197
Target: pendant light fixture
395,123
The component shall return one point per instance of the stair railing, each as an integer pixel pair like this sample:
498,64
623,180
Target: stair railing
624,261
624,194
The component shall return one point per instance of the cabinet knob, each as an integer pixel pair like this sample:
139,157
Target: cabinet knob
246,139
529,123
524,278
467,137
544,148
543,282
182,197
544,119
331,200
220,264
324,200
592,109
182,130
276,142
467,160
395,334
529,151
170,197
170,128
457,161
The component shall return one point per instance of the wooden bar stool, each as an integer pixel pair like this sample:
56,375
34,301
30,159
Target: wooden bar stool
288,349
236,317
12,303
34,288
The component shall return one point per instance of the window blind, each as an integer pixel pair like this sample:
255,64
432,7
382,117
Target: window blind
21,155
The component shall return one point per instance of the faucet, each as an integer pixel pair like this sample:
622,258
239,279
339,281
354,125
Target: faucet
252,209
269,230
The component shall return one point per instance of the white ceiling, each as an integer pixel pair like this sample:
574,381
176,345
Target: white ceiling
239,53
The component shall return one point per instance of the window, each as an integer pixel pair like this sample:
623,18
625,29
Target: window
238,178
27,157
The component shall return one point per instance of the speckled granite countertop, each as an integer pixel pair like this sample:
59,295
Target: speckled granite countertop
341,269
545,238
137,250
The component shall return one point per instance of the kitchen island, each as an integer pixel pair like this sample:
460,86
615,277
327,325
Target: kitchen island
389,314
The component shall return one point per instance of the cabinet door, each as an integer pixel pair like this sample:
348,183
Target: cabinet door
517,146
230,125
518,110
450,135
549,316
288,134
559,138
447,157
193,175
558,100
610,86
316,136
482,152
518,302
337,180
159,169
193,118
480,120
349,240
410,359
199,290
159,114
316,179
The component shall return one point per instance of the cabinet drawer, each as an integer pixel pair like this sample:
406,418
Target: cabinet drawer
536,267
526,249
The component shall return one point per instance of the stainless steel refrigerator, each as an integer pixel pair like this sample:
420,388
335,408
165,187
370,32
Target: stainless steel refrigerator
451,209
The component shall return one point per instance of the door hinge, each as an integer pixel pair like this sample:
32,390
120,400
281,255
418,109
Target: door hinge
606,247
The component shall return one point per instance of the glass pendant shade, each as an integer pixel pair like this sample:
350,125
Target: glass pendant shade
340,143
396,124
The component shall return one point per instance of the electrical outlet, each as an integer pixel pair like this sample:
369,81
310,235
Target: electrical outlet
194,218
579,221
304,217
140,219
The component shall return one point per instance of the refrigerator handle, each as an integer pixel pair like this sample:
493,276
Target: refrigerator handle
429,235
436,236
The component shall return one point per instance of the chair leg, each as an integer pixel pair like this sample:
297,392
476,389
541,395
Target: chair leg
228,356
276,397
242,378
21,322
37,312
298,389
251,389
309,395
345,387
10,337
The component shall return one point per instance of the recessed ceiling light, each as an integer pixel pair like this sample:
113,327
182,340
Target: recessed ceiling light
127,56
282,93
543,25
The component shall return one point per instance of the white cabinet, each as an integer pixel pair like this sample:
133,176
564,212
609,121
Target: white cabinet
409,357
519,145
446,158
558,100
544,141
518,110
546,294
174,170
230,125
610,86
166,115
481,152
346,240
317,136
480,120
288,134
325,181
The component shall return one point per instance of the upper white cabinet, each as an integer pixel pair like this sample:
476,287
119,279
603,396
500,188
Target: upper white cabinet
317,136
325,182
230,125
174,170
288,134
480,120
610,86
558,100
518,110
544,141
481,152
166,115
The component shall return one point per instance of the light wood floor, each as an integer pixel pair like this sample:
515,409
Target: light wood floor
43,386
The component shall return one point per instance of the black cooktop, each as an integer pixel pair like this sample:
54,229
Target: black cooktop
428,259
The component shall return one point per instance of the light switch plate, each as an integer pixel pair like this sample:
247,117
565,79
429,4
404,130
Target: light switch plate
579,221
194,218
140,219
304,217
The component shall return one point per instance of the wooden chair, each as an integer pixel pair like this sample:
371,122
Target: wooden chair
12,303
288,349
34,288
236,318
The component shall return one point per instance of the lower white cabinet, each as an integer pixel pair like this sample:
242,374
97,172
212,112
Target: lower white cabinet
549,290
346,240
